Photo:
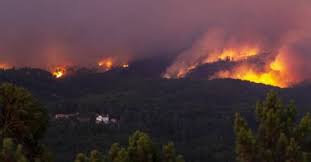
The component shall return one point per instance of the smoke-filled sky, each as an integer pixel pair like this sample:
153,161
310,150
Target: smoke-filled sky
48,32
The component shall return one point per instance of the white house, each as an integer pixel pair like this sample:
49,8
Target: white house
102,119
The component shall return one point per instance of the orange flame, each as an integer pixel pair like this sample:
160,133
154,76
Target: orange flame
109,63
181,73
233,54
274,74
270,72
59,72
4,66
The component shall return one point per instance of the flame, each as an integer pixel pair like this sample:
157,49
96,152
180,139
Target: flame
4,66
110,63
125,65
277,65
107,64
181,73
270,71
233,54
274,74
59,72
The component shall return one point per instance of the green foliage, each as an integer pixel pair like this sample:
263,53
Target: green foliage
113,152
140,149
11,152
21,116
169,154
180,158
95,156
278,137
81,158
23,120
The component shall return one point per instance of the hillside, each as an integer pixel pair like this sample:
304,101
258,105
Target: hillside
194,113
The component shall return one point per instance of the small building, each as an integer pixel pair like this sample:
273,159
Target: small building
102,119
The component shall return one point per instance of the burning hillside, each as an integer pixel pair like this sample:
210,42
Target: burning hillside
252,61
59,72
109,63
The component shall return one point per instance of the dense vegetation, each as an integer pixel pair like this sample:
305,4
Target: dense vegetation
279,137
23,121
197,115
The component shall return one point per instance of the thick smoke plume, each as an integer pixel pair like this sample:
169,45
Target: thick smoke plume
78,32
267,48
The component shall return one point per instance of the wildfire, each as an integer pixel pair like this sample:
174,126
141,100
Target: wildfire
274,73
233,54
4,66
110,63
106,64
266,70
59,72
181,73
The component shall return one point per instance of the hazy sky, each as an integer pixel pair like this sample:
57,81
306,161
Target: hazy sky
42,32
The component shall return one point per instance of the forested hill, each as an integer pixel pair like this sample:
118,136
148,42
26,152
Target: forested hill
196,114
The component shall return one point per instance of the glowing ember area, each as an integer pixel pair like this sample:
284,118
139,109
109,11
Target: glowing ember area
181,73
110,63
125,65
106,64
247,62
267,76
238,57
59,72
4,66
233,54
180,70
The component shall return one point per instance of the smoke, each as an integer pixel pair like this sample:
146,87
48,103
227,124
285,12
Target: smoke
79,32
276,33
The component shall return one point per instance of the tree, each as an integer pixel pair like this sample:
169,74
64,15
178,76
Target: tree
180,158
22,118
95,156
140,149
169,154
10,152
81,158
113,152
279,138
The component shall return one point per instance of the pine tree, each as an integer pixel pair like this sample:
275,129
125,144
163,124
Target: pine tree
122,156
22,118
278,137
81,158
10,152
180,158
113,152
95,156
140,149
169,154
